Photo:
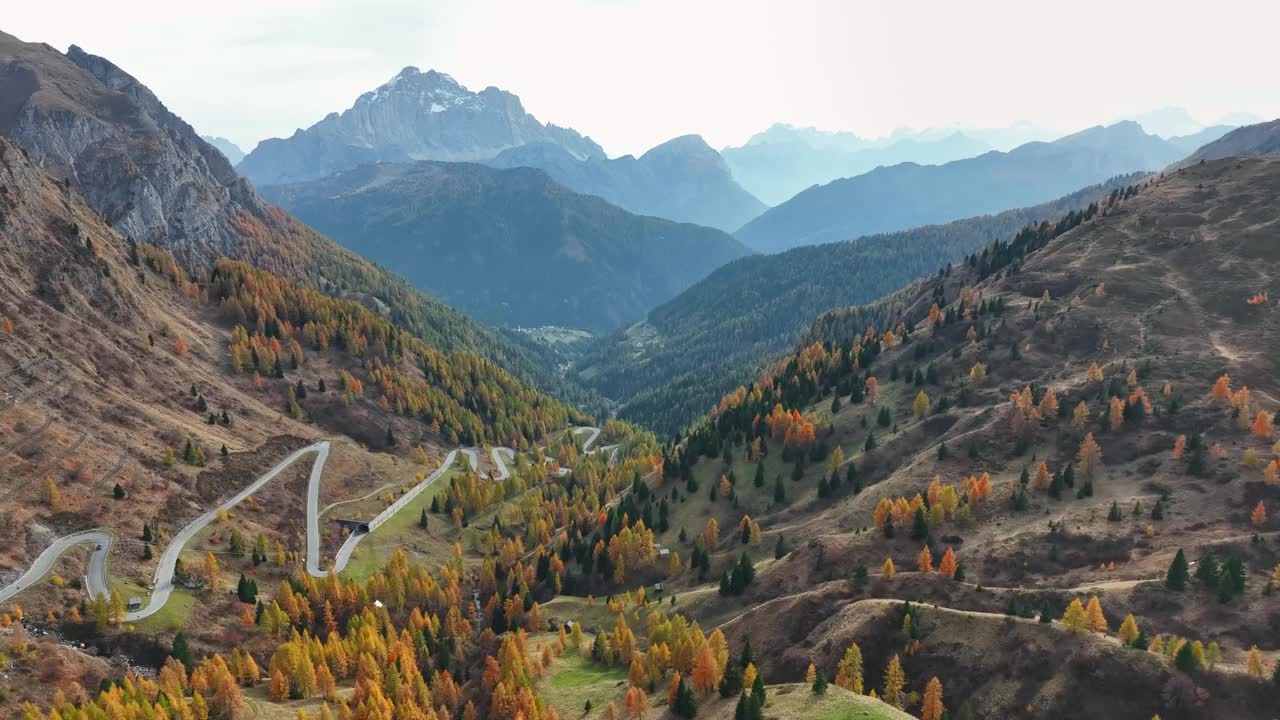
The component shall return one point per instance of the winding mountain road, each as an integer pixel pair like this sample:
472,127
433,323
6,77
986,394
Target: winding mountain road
96,582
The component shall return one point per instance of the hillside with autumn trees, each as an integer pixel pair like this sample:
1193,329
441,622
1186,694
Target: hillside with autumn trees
139,395
136,394
667,370
250,475
1042,484
1045,478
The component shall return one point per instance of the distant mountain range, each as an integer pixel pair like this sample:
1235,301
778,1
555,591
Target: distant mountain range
511,247
429,116
683,180
784,160
414,116
908,195
1168,122
232,151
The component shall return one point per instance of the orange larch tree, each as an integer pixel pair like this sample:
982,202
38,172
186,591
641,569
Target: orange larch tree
1049,405
1116,413
1222,388
932,708
925,561
1094,618
1263,425
1043,478
1080,416
1094,373
894,682
1089,458
884,509
637,703
704,670
948,565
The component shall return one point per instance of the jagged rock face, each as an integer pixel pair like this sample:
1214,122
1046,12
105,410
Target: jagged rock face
414,116
141,167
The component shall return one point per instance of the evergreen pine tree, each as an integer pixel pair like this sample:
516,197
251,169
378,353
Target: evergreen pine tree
685,706
181,650
731,682
1176,579
919,525
820,683
1185,660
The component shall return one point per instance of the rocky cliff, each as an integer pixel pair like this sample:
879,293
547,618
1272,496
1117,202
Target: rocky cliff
144,169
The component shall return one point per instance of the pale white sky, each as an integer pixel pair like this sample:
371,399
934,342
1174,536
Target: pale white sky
633,73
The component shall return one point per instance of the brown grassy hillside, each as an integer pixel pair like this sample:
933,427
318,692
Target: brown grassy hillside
1165,290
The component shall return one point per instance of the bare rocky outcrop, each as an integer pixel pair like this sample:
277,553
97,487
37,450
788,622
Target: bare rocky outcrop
144,169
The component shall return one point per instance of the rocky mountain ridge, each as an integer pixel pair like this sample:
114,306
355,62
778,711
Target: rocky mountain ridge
683,179
414,116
